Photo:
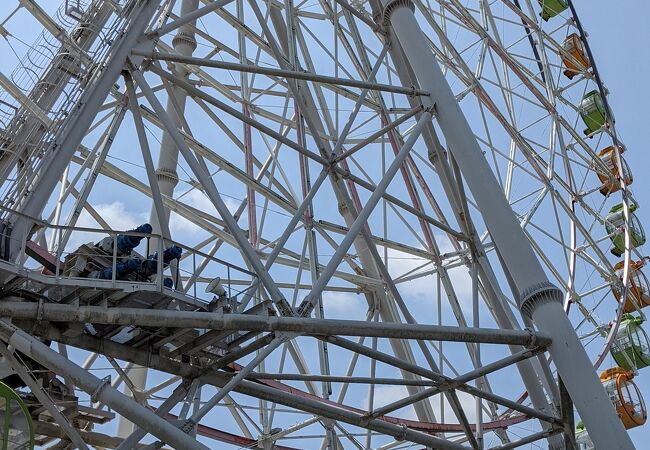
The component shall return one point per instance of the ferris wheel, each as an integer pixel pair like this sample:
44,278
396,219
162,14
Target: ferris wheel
318,224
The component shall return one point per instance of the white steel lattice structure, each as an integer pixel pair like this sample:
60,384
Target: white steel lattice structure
382,225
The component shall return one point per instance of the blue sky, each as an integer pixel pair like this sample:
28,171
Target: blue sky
619,37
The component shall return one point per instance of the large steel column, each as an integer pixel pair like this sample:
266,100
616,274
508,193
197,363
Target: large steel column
501,310
538,298
184,43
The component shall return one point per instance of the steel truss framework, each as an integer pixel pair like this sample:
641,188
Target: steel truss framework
390,192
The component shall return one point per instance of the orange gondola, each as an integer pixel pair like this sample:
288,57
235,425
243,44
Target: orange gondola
625,396
638,287
610,179
578,62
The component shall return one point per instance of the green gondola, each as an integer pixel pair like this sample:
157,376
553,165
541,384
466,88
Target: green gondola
614,225
17,426
631,341
583,441
592,111
551,8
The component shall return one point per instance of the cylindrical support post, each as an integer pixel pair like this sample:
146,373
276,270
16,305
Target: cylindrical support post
537,297
246,322
595,408
184,44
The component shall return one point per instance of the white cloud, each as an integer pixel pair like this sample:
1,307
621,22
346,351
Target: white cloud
344,305
424,288
417,292
468,403
179,225
402,264
119,217
385,395
116,214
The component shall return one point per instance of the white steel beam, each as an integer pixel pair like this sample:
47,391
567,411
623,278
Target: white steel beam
170,402
249,68
364,214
